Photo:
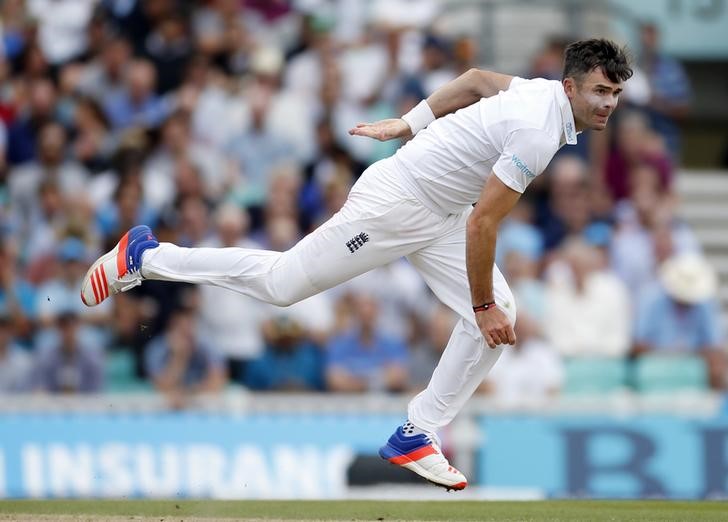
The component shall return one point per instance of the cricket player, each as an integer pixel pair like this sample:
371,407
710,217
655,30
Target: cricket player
478,143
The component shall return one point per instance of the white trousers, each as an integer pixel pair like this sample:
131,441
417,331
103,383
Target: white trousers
378,224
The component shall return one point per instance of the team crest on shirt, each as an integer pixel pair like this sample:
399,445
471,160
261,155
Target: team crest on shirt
356,242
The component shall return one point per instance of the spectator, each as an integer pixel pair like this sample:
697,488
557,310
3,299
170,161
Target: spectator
15,363
670,88
568,212
680,315
180,364
104,76
523,269
62,24
362,359
636,146
93,143
177,147
588,311
257,150
231,321
529,371
290,361
51,164
137,104
549,61
436,68
126,210
17,295
68,364
647,232
169,48
23,132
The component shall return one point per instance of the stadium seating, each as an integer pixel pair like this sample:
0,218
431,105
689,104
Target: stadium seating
663,373
120,375
594,375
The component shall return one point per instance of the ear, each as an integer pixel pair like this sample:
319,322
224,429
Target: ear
569,86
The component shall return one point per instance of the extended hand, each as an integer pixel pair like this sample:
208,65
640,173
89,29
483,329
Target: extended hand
382,130
495,327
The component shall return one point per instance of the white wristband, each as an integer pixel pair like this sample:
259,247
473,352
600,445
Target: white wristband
419,117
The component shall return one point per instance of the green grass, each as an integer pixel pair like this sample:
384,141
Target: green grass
557,510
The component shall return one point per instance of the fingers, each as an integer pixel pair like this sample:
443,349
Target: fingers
357,131
511,335
499,336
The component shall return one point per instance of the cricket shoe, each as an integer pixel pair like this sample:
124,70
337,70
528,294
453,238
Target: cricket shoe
421,453
119,269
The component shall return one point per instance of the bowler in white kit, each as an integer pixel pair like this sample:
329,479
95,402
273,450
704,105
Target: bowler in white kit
478,143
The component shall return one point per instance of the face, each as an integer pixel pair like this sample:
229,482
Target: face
593,99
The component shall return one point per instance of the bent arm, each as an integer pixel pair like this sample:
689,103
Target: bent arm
466,89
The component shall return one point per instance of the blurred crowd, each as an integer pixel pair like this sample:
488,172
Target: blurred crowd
224,123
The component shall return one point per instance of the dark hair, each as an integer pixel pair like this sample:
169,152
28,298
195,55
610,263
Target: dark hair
582,57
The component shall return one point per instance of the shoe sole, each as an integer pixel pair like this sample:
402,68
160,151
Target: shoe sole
417,469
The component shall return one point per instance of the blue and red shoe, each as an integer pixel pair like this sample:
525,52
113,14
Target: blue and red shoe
421,453
119,269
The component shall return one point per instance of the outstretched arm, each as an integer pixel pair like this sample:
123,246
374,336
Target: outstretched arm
464,90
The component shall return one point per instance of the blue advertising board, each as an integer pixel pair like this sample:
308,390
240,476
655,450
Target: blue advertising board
622,457
310,455
187,455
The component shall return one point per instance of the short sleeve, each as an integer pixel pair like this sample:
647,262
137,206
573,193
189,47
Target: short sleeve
526,154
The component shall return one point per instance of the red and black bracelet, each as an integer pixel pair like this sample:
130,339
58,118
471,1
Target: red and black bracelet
483,307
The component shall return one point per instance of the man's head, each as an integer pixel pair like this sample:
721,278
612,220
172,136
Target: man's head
594,71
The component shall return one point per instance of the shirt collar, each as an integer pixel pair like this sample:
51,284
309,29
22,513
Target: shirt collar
567,117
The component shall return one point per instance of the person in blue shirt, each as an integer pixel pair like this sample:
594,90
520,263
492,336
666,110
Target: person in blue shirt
363,358
671,92
680,315
290,361
180,364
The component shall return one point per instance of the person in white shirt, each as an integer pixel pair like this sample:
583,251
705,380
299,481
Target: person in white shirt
589,313
481,138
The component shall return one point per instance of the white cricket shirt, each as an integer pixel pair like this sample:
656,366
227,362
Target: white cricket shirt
513,134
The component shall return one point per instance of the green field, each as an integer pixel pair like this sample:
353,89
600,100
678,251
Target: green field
564,510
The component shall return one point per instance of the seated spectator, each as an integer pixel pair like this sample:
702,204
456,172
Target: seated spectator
17,295
104,75
126,210
528,371
23,132
636,146
229,320
680,314
180,364
177,148
67,364
137,104
50,164
588,311
647,232
522,269
60,293
290,361
568,212
15,363
362,358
